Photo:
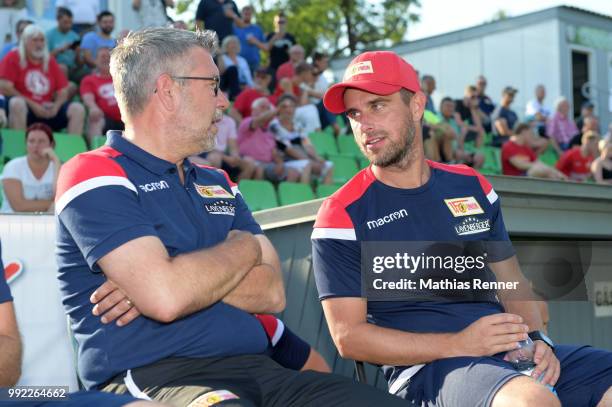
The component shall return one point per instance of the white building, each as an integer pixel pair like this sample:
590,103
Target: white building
568,50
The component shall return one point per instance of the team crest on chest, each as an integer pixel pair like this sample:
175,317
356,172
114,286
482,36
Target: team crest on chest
212,191
464,206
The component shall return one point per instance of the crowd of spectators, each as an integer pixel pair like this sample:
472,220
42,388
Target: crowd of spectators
61,79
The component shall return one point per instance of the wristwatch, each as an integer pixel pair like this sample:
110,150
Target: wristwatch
541,336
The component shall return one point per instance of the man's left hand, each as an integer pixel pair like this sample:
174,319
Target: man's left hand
547,363
112,304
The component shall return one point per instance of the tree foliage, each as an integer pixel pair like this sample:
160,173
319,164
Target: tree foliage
337,26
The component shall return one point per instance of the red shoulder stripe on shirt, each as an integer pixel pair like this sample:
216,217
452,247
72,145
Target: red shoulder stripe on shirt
463,170
85,166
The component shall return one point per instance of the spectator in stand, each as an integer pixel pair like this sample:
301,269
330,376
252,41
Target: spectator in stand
94,40
37,87
602,165
21,25
588,123
84,12
537,111
29,182
468,116
244,101
64,44
519,159
219,16
3,115
256,141
301,87
278,44
225,155
287,70
561,128
428,86
294,142
152,13
98,95
586,110
576,162
234,69
608,136
485,103
180,25
451,138
320,63
250,35
504,118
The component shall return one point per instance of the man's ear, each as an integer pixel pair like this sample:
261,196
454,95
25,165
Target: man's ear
417,105
166,92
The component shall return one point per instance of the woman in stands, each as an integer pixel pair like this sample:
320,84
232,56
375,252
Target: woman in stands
602,166
235,71
29,182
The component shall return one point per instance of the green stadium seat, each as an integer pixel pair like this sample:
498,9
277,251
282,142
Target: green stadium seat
97,142
344,168
13,143
258,194
549,157
492,164
324,144
340,121
292,193
348,147
68,145
325,190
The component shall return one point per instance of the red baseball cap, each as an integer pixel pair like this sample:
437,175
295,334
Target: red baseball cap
378,72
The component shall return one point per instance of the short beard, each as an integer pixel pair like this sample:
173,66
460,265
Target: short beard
398,153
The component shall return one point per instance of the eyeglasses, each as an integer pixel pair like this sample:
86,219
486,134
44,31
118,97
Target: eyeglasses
215,78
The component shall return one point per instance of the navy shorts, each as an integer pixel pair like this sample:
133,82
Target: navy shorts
586,374
57,123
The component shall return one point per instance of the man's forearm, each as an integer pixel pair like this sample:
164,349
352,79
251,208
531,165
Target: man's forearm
260,292
10,360
384,346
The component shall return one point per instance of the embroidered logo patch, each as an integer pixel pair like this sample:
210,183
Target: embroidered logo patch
212,191
358,69
464,206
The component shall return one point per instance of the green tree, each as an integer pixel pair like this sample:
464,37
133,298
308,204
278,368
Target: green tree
337,26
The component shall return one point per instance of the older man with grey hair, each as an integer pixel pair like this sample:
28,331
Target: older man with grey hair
168,254
37,88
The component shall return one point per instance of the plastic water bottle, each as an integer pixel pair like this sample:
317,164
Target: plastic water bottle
522,360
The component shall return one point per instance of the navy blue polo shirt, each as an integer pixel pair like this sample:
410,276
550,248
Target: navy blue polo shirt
5,292
118,193
455,204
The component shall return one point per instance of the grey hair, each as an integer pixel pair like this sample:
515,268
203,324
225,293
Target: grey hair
29,32
227,40
558,102
144,55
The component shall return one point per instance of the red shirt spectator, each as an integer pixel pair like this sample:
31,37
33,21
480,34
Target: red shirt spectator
286,70
32,81
511,149
573,164
246,98
104,93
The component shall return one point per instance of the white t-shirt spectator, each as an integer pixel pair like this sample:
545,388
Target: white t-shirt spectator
33,188
244,72
226,130
83,11
534,106
152,14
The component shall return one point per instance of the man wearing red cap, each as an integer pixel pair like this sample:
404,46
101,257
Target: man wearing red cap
441,338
